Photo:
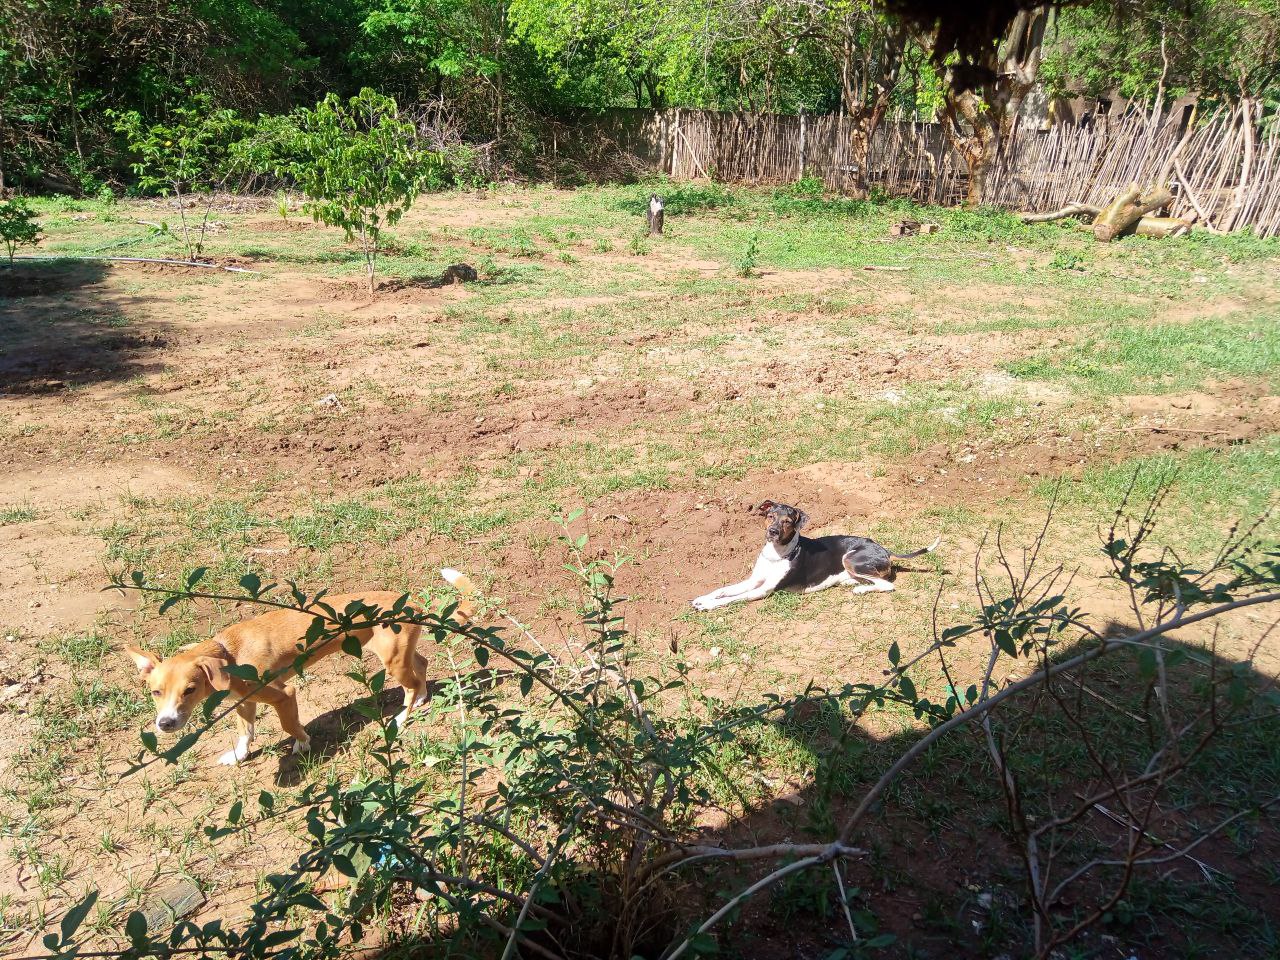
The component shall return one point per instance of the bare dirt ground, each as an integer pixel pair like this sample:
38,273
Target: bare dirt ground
281,423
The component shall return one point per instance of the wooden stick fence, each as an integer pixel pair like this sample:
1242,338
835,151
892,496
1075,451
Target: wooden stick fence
1222,172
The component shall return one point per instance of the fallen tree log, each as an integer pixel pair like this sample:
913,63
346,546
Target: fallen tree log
1121,216
1130,212
1162,227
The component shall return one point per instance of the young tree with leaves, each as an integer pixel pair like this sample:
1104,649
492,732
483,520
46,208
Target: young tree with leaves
359,166
18,225
188,155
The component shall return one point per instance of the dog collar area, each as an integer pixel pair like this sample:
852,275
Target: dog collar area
795,545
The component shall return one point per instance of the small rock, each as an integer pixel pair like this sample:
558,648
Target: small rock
172,904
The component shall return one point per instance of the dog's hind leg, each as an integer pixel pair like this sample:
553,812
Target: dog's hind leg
246,720
868,581
835,580
875,586
398,653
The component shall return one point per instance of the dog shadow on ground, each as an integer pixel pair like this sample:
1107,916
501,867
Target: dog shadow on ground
332,731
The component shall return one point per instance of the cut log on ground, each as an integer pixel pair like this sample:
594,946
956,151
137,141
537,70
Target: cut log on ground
1130,212
1070,210
1162,227
1121,216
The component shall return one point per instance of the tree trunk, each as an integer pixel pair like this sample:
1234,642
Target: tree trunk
991,112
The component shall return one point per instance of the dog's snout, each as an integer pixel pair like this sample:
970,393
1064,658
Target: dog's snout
167,723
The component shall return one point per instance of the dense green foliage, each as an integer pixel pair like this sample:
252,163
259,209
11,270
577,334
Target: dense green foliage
500,66
1224,51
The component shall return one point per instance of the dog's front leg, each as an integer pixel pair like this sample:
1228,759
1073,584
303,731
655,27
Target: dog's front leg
725,595
738,593
246,723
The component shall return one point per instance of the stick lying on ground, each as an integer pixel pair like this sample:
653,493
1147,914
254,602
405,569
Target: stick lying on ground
173,263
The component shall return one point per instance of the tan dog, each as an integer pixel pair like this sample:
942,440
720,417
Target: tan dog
270,643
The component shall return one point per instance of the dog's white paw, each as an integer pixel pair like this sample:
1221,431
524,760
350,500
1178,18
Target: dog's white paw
705,603
236,753
301,746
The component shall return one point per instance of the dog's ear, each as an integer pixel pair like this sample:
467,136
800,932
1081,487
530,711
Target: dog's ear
799,519
215,672
145,661
764,507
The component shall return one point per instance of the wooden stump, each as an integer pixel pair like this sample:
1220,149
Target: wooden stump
654,215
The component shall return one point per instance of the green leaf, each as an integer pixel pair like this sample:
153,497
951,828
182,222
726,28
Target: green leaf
526,684
344,865
482,656
246,672
894,653
351,645
703,943
908,688
185,743
1005,642
213,702
195,576
251,583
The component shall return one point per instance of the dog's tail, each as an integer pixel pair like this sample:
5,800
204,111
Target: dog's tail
917,553
468,592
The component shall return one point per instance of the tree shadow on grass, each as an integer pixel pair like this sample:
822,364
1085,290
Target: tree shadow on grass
944,874
63,328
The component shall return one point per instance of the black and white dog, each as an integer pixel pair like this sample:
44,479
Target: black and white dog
792,562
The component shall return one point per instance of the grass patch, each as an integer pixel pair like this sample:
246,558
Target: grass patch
1212,485
1163,356
21,513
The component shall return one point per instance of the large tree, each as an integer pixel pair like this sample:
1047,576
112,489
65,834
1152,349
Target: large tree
981,106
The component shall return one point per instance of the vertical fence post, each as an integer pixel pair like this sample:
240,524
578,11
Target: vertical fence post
675,144
803,131
663,144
